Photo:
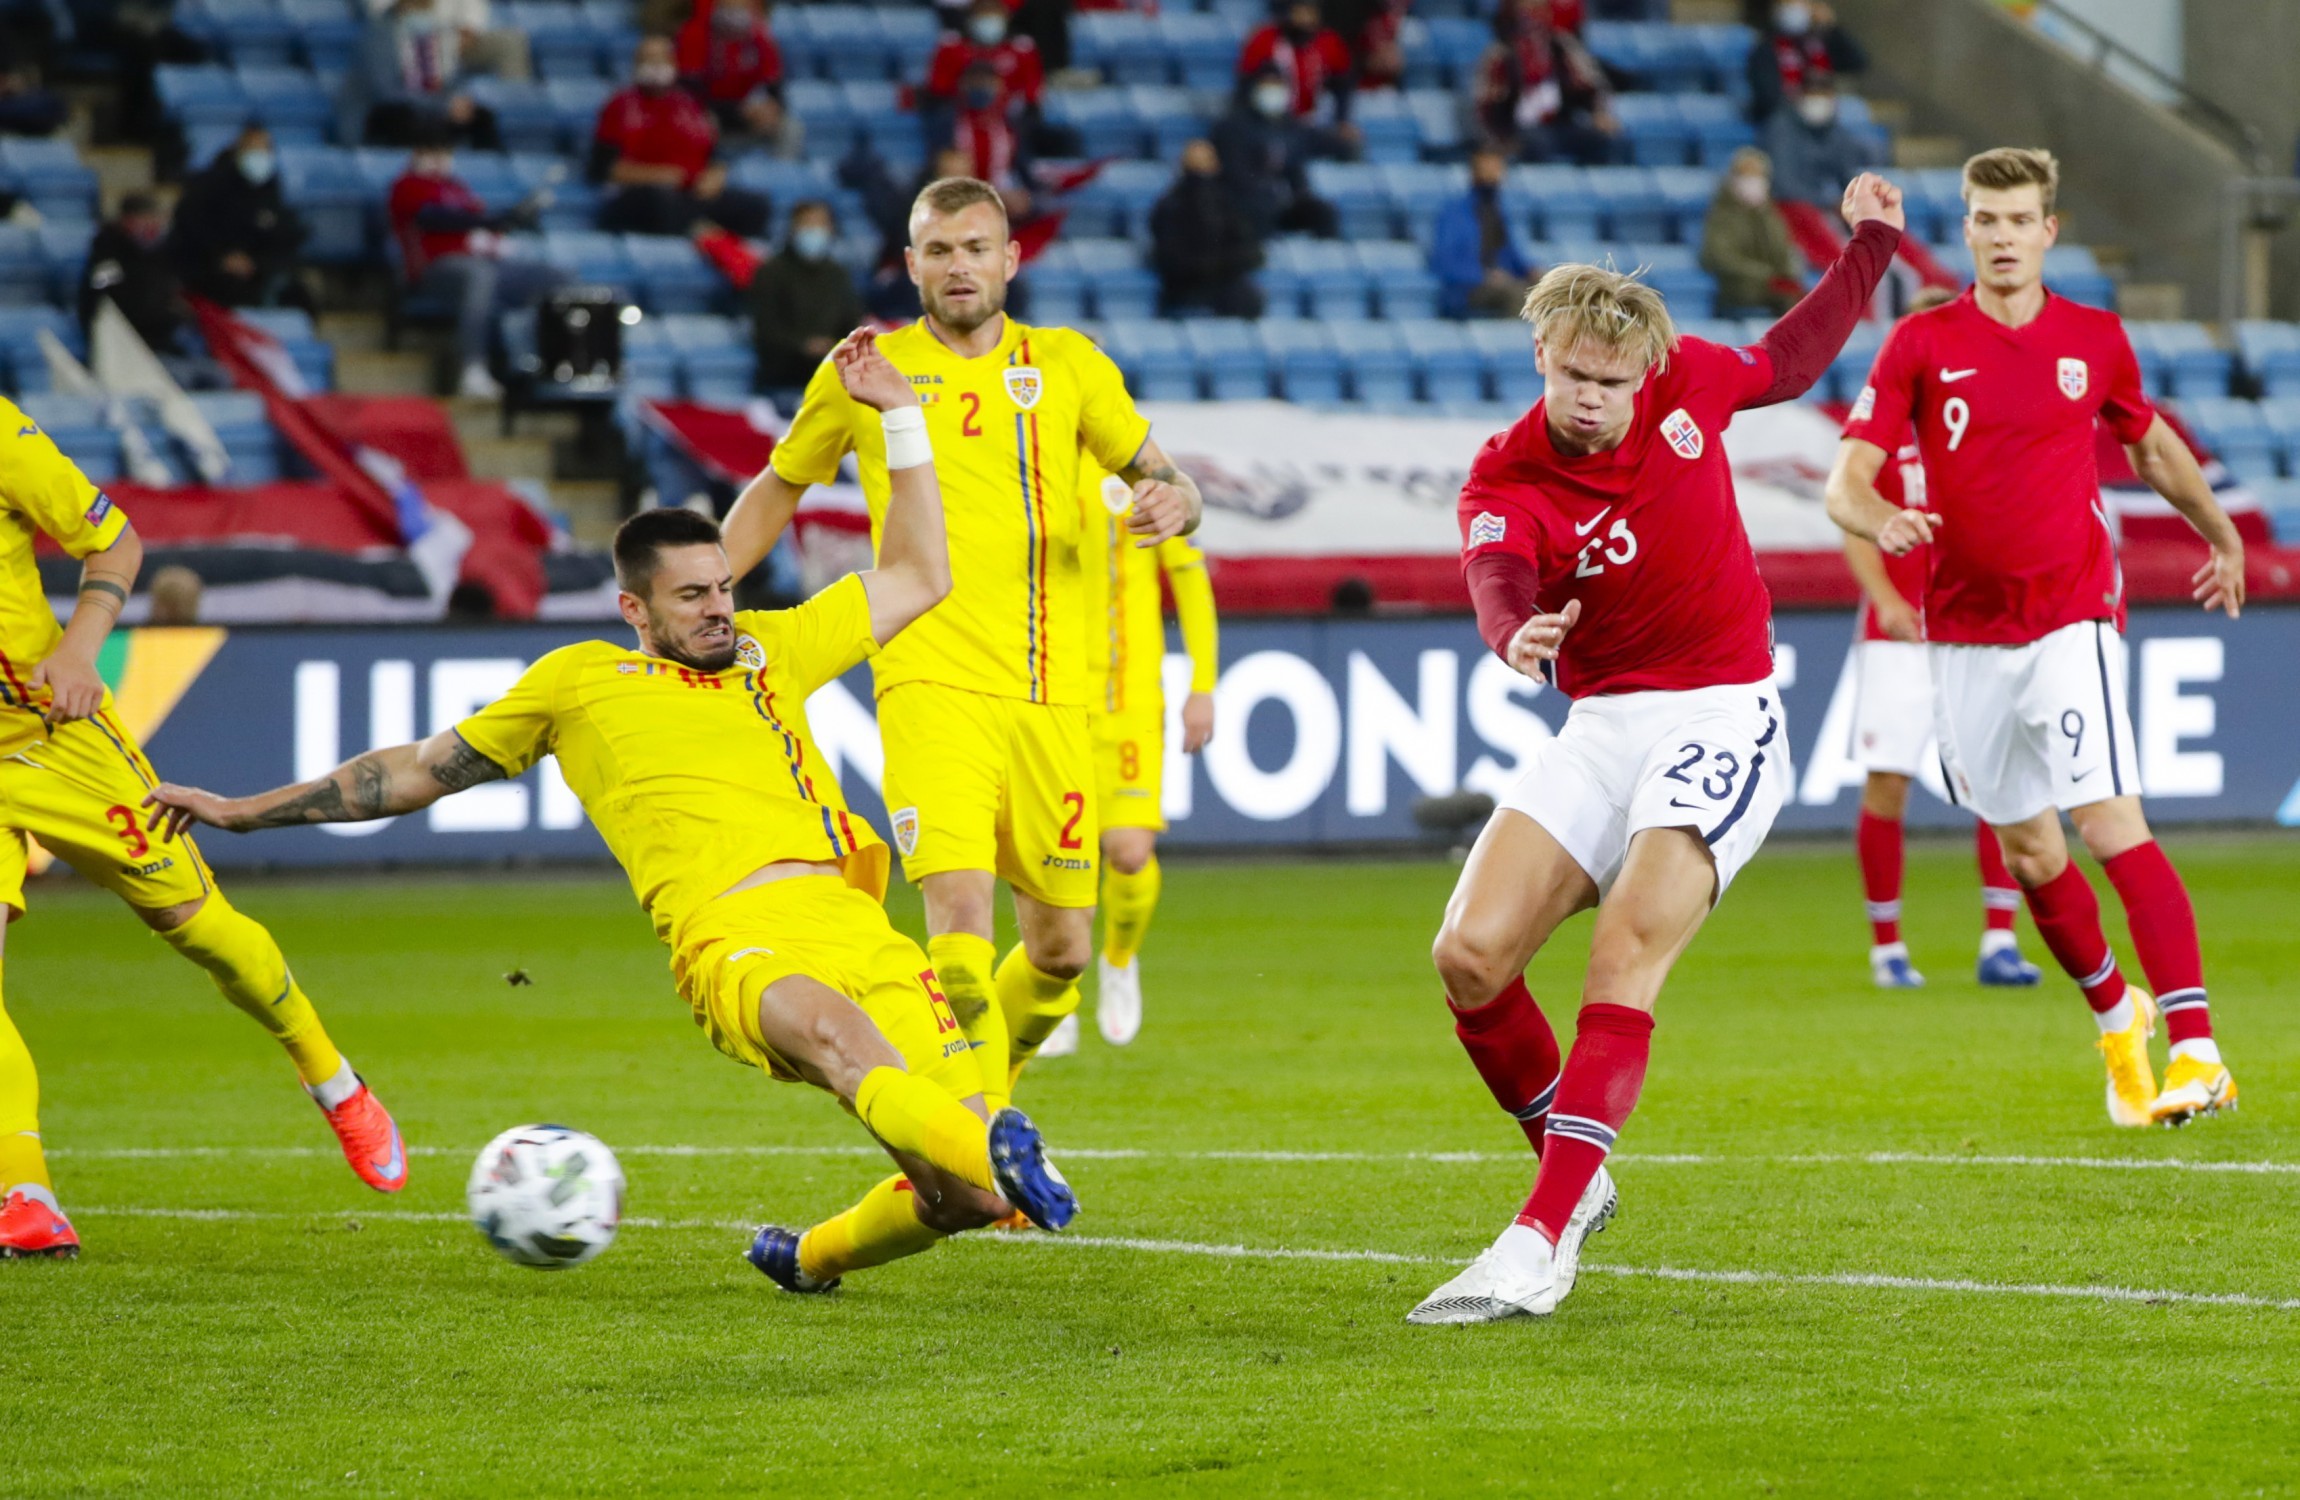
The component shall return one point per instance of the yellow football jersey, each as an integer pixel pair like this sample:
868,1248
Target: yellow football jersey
1125,620
1007,429
40,490
695,779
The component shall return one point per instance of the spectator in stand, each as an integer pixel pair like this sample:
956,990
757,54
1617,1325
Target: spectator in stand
802,302
987,39
656,146
1745,242
175,595
729,60
128,262
1482,270
481,45
27,108
453,250
1538,95
235,239
1203,244
1265,151
1377,49
404,83
1814,154
983,128
1308,55
1803,44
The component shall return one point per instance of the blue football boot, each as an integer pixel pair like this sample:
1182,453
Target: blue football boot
1889,967
2003,965
775,1251
1025,1177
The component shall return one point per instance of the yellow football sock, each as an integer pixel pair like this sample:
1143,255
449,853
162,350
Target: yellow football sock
918,1116
22,1162
963,962
1127,903
884,1226
1035,1003
253,974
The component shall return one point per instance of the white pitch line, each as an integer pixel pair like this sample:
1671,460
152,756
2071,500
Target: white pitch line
1289,1158
1853,1280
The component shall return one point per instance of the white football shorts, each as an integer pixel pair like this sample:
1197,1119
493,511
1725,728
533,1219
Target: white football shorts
1712,760
2027,728
1892,706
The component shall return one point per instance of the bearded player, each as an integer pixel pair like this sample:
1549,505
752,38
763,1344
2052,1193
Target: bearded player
71,777
1893,737
691,753
1602,541
982,708
2024,606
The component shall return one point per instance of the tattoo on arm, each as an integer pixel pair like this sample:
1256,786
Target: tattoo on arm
107,587
464,767
325,803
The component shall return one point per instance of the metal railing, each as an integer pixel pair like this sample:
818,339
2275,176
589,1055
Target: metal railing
2230,130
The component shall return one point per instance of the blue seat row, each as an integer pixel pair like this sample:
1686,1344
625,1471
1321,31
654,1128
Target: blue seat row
1647,204
80,427
2258,440
564,38
1323,361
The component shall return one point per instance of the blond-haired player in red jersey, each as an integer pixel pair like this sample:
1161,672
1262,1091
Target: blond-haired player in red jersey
1602,536
2024,607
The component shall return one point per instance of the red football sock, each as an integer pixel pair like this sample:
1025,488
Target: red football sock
2067,917
1509,1040
1595,1094
2163,927
1879,842
2000,893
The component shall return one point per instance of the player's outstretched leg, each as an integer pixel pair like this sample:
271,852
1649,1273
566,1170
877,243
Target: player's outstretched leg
1038,982
2163,926
2067,917
1131,882
2001,962
247,965
890,1222
31,1222
1878,841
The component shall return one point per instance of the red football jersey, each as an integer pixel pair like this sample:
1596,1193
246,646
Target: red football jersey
1902,481
668,129
2004,423
1648,536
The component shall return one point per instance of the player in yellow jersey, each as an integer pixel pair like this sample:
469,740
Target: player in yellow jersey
982,708
72,777
1126,717
691,753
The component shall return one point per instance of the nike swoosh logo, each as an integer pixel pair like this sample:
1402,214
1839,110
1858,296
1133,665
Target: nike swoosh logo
2081,775
1688,806
1582,528
394,1166
1951,377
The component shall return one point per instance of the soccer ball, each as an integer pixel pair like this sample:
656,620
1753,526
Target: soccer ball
546,1196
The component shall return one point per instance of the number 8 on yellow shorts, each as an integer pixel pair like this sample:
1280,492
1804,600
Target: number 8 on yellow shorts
979,782
80,792
1129,768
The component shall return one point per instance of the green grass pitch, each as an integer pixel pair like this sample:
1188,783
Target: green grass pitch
247,1319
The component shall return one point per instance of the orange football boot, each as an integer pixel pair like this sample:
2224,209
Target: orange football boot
370,1140
30,1229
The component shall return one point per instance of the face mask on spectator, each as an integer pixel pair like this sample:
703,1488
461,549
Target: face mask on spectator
257,165
1273,99
655,75
986,29
1817,109
1795,18
1752,188
811,241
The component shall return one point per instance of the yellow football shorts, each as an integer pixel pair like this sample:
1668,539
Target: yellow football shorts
978,782
80,792
1130,768
730,950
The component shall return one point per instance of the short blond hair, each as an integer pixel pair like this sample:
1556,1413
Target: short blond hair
950,195
1575,305
2012,167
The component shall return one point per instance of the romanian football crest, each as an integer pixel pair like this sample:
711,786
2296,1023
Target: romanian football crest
1683,433
749,654
2075,379
1485,527
1025,385
905,821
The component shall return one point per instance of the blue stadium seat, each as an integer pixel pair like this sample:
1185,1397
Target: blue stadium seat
1447,362
650,364
20,324
252,33
1718,127
1319,277
909,34
290,101
673,276
64,245
559,37
1418,190
1120,286
2237,433
23,264
822,107
575,104
324,184
2071,271
1425,69
1565,206
1630,203
1116,202
1724,51
1233,364
592,257
1360,197
1302,353
1849,371
1400,276
1456,43
2271,356
245,431
1387,129
1657,134
1505,348
201,94
1158,363
715,354
328,32
1124,45
292,326
1201,49
1057,291
2281,415
784,182
2188,361
526,113
1169,118
850,46
1104,119
1437,115
1675,272
574,202
1686,191
71,422
2281,499
1380,368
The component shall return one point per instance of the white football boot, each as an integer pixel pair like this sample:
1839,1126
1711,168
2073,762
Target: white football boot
1600,1201
1062,1041
1515,1277
1118,1001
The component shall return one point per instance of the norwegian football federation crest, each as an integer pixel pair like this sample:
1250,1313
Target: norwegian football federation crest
1683,434
1485,527
2075,379
905,823
749,654
1025,385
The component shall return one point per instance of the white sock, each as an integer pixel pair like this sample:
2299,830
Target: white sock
2204,1049
342,1086
2117,1017
1888,950
1526,1247
1993,939
37,1194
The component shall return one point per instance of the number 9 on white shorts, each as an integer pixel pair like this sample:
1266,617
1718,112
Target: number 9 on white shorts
1712,760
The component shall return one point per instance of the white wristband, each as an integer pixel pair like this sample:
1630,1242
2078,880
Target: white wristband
906,442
